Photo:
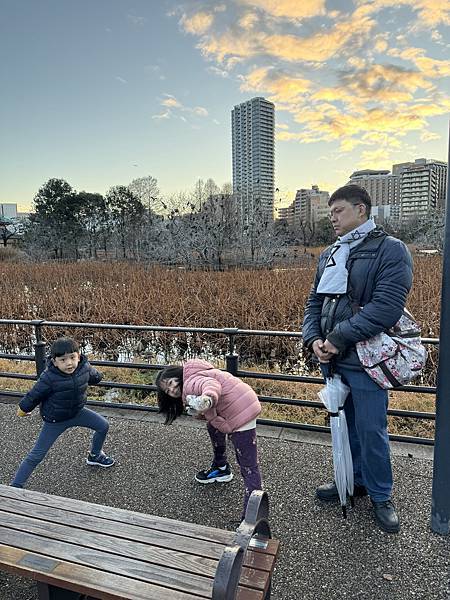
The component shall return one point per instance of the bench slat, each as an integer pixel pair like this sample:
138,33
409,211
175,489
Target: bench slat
138,570
79,578
118,514
49,534
108,524
198,565
110,544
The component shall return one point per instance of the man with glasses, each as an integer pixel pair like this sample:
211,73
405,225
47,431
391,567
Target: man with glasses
360,290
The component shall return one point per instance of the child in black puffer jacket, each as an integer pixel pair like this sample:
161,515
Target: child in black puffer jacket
61,393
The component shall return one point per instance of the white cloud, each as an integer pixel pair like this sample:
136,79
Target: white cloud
135,20
174,108
171,102
428,136
164,115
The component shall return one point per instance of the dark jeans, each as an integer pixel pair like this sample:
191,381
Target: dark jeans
246,450
50,432
366,412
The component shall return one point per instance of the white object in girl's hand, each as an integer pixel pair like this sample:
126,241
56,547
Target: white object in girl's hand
197,404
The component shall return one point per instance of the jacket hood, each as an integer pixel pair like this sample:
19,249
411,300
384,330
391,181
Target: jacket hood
195,364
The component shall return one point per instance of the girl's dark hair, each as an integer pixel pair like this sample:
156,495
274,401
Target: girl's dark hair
63,345
168,406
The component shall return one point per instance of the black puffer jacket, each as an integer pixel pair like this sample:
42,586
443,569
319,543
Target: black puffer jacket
380,277
61,396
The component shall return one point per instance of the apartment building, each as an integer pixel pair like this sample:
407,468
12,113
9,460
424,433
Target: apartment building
423,186
253,157
383,186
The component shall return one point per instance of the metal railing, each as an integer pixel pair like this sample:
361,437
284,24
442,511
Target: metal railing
231,365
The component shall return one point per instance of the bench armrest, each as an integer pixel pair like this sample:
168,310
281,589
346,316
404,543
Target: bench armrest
256,523
228,573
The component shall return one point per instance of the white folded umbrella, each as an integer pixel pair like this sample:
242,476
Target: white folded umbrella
333,396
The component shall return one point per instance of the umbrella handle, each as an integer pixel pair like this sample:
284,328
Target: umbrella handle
328,369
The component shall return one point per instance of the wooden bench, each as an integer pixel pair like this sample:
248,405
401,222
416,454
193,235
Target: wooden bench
77,550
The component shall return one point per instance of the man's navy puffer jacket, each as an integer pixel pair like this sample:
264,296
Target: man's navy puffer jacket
61,396
380,277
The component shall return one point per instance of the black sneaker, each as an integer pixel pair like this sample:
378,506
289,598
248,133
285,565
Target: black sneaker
329,492
220,474
386,516
100,461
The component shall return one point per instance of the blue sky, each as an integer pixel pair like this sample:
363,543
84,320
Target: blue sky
100,92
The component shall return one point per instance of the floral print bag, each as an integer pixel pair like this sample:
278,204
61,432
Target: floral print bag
395,357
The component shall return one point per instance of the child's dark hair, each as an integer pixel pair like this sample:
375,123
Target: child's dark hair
170,407
63,345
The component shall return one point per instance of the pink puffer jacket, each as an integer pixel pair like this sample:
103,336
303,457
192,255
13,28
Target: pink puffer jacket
235,403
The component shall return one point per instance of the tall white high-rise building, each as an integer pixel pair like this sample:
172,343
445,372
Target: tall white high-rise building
253,148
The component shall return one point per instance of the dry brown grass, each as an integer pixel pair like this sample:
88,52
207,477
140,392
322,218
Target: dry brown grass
131,293
126,293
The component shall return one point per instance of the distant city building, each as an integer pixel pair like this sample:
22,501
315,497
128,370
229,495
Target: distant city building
253,151
287,213
422,187
385,212
412,190
382,186
309,207
8,210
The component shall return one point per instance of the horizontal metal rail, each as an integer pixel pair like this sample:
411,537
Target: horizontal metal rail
232,361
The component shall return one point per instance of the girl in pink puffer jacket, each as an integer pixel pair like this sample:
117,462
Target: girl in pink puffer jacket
229,406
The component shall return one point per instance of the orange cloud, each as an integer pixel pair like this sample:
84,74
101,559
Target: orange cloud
430,12
230,46
321,47
282,88
248,21
197,24
346,35
357,101
429,67
290,9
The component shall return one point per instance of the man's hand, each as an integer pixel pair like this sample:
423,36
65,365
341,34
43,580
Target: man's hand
21,413
330,348
322,349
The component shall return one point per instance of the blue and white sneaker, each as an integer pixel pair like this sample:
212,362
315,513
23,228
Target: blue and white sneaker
100,461
220,474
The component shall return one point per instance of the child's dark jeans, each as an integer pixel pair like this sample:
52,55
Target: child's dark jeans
50,432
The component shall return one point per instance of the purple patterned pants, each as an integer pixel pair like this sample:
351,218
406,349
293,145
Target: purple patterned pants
245,447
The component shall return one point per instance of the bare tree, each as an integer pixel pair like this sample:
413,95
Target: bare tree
429,230
146,189
8,228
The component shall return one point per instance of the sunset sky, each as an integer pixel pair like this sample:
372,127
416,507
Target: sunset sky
100,92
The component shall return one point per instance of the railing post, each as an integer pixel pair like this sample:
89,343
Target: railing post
231,358
440,497
39,347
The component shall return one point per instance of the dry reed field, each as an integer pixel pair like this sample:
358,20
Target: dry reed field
133,294
126,293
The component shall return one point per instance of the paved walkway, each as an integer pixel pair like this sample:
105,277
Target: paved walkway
322,556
